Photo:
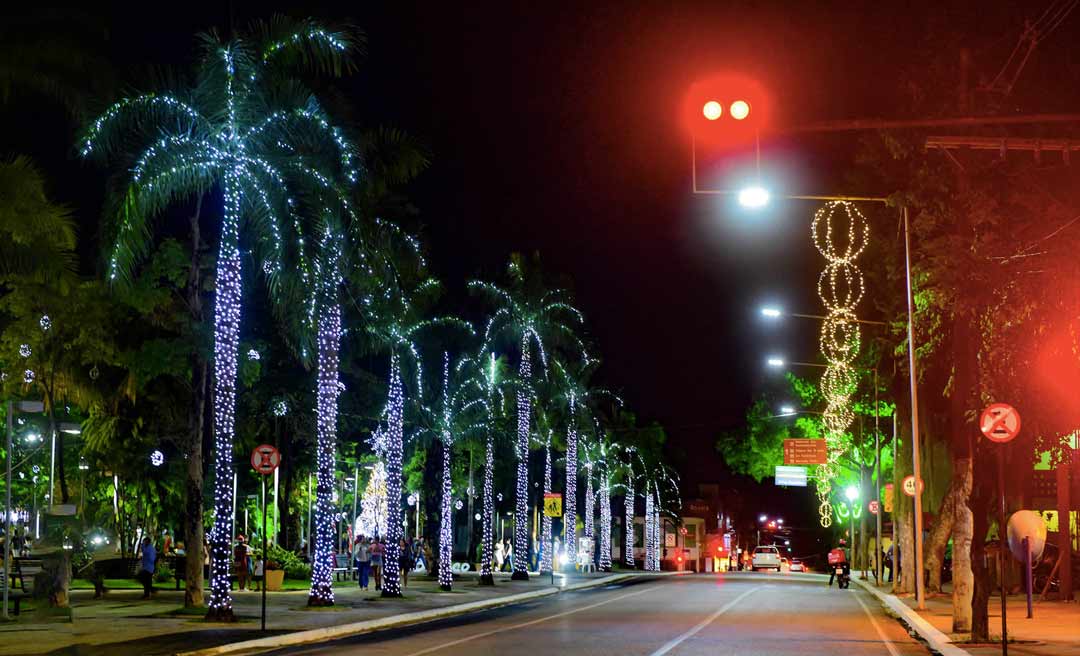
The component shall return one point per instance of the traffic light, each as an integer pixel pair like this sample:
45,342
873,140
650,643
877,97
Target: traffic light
726,110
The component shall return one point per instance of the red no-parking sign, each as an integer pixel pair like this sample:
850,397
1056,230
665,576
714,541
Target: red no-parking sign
265,459
874,507
1000,422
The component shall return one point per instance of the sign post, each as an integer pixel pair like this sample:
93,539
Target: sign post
552,508
1000,422
264,460
805,452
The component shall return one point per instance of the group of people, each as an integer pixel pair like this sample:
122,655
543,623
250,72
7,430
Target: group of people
368,555
504,555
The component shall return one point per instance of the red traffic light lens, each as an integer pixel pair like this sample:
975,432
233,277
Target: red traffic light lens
712,110
740,109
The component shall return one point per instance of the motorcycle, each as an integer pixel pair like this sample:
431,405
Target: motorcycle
843,577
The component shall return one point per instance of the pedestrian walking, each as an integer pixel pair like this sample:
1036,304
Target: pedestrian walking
377,552
405,561
166,543
418,553
242,561
362,556
499,556
509,550
146,566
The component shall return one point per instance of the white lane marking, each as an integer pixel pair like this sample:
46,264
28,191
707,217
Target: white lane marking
485,634
703,623
893,651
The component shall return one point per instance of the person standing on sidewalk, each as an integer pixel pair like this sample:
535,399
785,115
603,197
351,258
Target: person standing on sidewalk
405,561
377,551
146,566
242,561
362,555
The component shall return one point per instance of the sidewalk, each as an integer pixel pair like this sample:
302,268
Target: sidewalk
123,624
1053,631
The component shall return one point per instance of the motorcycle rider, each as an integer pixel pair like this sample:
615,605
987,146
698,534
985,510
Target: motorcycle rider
837,558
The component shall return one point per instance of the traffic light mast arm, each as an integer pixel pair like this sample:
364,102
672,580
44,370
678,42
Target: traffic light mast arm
845,125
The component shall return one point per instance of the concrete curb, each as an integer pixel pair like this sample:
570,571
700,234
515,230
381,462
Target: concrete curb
405,619
938,641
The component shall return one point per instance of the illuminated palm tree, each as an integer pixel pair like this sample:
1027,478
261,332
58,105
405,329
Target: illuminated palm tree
527,314
247,127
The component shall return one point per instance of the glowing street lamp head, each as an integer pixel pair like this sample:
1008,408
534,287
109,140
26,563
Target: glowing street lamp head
787,410
771,312
740,109
753,197
712,110
852,493
775,362
763,519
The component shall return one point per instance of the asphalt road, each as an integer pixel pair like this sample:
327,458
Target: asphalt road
749,614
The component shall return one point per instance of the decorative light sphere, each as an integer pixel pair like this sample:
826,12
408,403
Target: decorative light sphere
499,496
157,458
28,376
476,516
45,322
712,110
253,355
458,505
24,350
280,409
740,109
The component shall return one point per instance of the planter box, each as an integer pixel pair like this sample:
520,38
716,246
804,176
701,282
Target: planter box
274,579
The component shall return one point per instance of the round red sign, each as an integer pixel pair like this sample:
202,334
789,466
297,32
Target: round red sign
909,485
265,459
874,507
1000,422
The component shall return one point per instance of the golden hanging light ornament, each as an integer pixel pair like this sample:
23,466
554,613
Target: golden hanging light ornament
841,287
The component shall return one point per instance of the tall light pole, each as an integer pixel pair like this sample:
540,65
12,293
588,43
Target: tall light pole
852,494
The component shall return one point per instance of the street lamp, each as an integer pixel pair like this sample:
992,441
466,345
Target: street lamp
852,494
786,410
753,197
775,362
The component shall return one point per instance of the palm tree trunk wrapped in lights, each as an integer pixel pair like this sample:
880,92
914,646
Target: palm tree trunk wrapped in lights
570,497
521,502
395,435
605,523
446,537
628,504
487,554
650,545
546,544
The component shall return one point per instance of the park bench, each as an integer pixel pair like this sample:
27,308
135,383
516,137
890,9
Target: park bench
342,566
14,596
26,568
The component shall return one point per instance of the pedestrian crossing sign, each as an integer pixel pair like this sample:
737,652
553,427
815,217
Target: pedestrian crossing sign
553,504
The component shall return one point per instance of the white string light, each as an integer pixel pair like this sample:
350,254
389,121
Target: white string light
628,519
605,522
840,287
570,501
521,503
487,554
446,537
546,543
649,545
394,438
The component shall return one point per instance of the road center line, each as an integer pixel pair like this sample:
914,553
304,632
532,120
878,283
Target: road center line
703,623
485,634
893,651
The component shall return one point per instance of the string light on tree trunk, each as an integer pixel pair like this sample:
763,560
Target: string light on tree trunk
521,503
605,522
546,543
648,529
394,438
570,502
446,545
628,519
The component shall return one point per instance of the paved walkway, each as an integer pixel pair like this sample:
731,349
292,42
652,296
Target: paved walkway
1053,631
124,624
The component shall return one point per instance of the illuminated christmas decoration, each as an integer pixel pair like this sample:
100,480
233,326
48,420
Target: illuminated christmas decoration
253,355
521,503
328,308
650,545
546,545
590,502
45,322
605,521
372,518
458,505
487,552
628,519
220,135
840,287
24,350
28,376
280,408
446,536
157,458
392,454
570,497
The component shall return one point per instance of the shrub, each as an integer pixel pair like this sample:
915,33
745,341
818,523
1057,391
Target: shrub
288,561
164,574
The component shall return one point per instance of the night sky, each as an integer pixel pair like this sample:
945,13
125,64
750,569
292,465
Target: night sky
555,128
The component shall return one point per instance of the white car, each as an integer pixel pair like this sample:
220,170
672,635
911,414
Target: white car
766,558
797,566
